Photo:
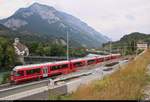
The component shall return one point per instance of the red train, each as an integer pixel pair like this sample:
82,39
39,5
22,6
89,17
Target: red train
39,71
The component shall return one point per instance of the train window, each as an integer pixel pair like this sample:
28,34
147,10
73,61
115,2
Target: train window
37,70
100,59
33,71
54,67
107,58
59,67
90,61
78,64
64,66
19,73
29,72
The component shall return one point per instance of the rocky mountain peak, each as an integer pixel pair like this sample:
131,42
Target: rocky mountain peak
44,11
48,23
36,7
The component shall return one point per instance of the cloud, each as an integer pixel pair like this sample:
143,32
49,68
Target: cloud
114,18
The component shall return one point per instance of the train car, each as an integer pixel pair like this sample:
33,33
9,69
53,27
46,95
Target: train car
39,71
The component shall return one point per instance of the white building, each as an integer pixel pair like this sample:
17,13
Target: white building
21,50
142,46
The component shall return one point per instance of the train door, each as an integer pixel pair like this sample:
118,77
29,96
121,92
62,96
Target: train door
45,72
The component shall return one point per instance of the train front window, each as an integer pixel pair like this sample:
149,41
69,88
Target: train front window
19,73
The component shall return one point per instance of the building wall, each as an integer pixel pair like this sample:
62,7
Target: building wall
142,46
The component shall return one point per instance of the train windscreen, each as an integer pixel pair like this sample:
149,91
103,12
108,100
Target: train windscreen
18,73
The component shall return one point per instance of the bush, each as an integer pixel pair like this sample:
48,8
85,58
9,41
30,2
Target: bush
6,78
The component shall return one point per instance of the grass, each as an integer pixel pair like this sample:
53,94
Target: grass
1,77
125,84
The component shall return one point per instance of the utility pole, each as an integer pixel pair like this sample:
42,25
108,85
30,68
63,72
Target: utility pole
110,48
67,46
124,50
135,47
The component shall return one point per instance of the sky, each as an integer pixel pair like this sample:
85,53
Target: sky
112,18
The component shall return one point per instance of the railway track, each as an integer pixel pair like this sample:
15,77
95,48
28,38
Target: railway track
9,85
5,86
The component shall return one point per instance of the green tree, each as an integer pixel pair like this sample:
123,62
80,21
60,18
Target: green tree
39,49
33,47
7,54
57,50
10,57
47,50
1,53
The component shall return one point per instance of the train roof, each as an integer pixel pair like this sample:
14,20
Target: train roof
79,59
101,56
33,65
116,54
89,58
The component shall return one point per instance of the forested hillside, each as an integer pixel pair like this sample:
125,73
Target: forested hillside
128,42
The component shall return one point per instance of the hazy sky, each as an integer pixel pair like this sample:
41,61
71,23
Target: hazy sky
113,18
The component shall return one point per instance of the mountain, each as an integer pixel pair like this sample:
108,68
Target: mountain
48,24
